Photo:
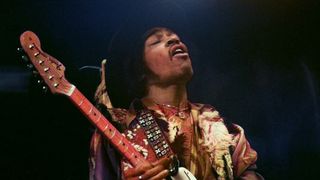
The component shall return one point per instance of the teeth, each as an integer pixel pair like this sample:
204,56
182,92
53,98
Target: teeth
178,50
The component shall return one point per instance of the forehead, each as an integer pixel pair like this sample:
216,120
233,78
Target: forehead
158,33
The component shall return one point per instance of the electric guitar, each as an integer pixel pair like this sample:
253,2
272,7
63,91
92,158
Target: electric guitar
52,73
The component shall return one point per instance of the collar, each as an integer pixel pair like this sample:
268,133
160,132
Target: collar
151,104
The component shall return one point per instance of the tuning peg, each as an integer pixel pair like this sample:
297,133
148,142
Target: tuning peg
39,81
44,89
25,58
35,73
30,66
20,50
36,76
59,66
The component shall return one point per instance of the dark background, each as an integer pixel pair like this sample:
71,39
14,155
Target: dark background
255,61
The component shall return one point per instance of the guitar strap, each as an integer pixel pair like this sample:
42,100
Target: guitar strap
153,132
155,137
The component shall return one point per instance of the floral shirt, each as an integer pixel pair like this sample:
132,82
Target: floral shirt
197,135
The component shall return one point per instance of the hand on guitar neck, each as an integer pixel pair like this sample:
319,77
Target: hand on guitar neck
153,171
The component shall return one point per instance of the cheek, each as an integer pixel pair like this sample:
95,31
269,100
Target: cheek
156,62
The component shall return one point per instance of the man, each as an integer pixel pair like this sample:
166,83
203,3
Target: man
196,134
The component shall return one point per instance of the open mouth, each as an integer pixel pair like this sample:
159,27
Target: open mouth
179,50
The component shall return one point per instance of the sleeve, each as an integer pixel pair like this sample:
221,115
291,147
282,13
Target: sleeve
243,157
104,160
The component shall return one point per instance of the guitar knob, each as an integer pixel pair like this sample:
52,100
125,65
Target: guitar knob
39,81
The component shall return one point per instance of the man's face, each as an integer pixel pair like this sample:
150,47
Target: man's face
167,59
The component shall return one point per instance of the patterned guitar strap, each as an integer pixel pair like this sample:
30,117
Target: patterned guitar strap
155,136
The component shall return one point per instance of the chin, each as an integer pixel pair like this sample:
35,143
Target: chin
188,72
185,76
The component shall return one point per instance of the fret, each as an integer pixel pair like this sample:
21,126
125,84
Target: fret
112,134
96,121
105,128
133,155
90,111
81,102
106,131
125,150
120,142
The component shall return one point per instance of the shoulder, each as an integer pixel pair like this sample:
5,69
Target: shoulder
206,112
219,135
202,107
212,125
211,113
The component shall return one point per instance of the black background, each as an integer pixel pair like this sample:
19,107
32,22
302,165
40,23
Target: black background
255,61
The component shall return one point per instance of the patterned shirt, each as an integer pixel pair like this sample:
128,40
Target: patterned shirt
196,134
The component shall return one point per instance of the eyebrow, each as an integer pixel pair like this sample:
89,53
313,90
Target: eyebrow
159,32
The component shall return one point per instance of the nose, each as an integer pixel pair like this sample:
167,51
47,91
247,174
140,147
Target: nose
173,41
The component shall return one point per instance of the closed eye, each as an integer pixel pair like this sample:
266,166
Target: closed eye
155,42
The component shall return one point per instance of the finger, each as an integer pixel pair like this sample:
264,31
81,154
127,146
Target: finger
138,170
158,172
158,167
162,175
133,173
164,161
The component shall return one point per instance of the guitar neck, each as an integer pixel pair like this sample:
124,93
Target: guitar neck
52,72
106,128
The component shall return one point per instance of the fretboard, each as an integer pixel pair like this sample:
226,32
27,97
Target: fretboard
106,128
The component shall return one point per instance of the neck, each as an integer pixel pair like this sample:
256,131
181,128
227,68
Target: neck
172,95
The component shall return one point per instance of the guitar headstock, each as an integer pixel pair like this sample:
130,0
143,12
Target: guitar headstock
49,68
